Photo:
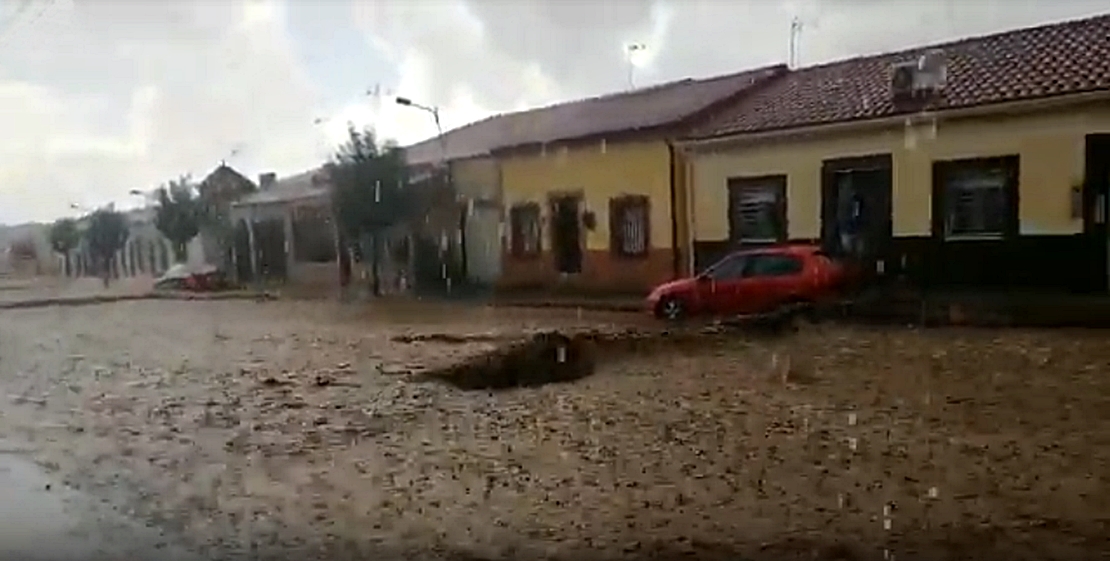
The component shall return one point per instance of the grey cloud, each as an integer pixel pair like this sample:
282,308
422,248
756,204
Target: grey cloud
577,44
453,49
215,85
846,28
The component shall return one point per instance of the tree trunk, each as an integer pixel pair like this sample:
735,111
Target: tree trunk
106,271
66,271
180,252
376,264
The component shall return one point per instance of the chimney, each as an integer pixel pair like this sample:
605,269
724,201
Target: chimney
266,180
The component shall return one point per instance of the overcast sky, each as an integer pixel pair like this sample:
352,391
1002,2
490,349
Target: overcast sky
99,97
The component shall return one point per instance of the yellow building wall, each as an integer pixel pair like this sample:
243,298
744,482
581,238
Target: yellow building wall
601,171
1050,144
477,178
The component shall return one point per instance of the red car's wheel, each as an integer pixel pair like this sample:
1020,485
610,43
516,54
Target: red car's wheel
670,309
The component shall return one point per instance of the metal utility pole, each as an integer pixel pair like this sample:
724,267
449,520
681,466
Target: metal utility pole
795,39
631,50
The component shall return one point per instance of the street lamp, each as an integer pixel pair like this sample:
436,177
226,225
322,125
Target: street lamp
443,163
435,115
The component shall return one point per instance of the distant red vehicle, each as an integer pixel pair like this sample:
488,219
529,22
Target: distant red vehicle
752,282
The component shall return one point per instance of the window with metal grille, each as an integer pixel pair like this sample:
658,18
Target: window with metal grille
524,223
630,225
757,209
978,197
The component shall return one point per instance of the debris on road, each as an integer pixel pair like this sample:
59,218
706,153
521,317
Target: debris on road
947,443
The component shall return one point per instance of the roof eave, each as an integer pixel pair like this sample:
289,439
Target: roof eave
1010,107
616,134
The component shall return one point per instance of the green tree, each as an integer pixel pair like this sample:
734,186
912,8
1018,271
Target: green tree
179,215
106,235
369,193
64,237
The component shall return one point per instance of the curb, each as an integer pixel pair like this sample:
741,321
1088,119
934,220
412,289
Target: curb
108,299
583,305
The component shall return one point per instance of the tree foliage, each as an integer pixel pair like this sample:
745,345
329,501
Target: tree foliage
106,235
64,237
23,249
368,180
179,214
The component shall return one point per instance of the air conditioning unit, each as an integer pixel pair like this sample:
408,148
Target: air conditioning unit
932,71
903,80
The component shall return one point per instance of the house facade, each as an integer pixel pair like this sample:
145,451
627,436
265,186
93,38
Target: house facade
147,251
982,162
592,189
593,216
219,190
465,229
477,181
285,233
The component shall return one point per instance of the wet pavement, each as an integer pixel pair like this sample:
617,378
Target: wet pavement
43,520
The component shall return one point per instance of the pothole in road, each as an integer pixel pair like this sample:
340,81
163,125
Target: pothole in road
545,358
555,357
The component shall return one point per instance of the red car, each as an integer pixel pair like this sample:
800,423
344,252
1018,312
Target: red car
751,282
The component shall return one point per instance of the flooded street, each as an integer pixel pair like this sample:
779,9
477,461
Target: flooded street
264,429
41,520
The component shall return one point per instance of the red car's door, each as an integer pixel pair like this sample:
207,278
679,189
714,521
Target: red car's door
717,288
771,280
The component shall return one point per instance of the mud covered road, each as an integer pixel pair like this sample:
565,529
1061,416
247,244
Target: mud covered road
295,428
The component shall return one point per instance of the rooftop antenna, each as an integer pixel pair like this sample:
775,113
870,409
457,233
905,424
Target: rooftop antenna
796,27
234,152
631,50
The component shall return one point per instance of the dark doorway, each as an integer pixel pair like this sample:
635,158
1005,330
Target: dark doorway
345,267
856,212
566,233
243,270
1096,211
152,257
269,238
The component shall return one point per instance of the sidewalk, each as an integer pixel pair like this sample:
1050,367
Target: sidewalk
40,288
941,308
596,304
47,291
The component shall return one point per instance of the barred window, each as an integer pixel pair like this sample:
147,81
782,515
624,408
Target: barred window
524,223
630,225
757,209
978,197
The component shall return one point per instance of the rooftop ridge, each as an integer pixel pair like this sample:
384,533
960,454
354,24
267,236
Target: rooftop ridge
654,88
955,43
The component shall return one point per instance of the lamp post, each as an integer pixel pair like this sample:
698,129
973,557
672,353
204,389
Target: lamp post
443,163
435,115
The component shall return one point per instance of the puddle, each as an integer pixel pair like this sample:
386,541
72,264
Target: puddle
41,520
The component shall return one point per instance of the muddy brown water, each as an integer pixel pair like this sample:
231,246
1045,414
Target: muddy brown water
707,450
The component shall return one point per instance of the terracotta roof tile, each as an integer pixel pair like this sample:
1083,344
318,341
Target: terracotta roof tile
1055,59
649,107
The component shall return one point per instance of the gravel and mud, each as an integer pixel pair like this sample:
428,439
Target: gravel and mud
311,429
